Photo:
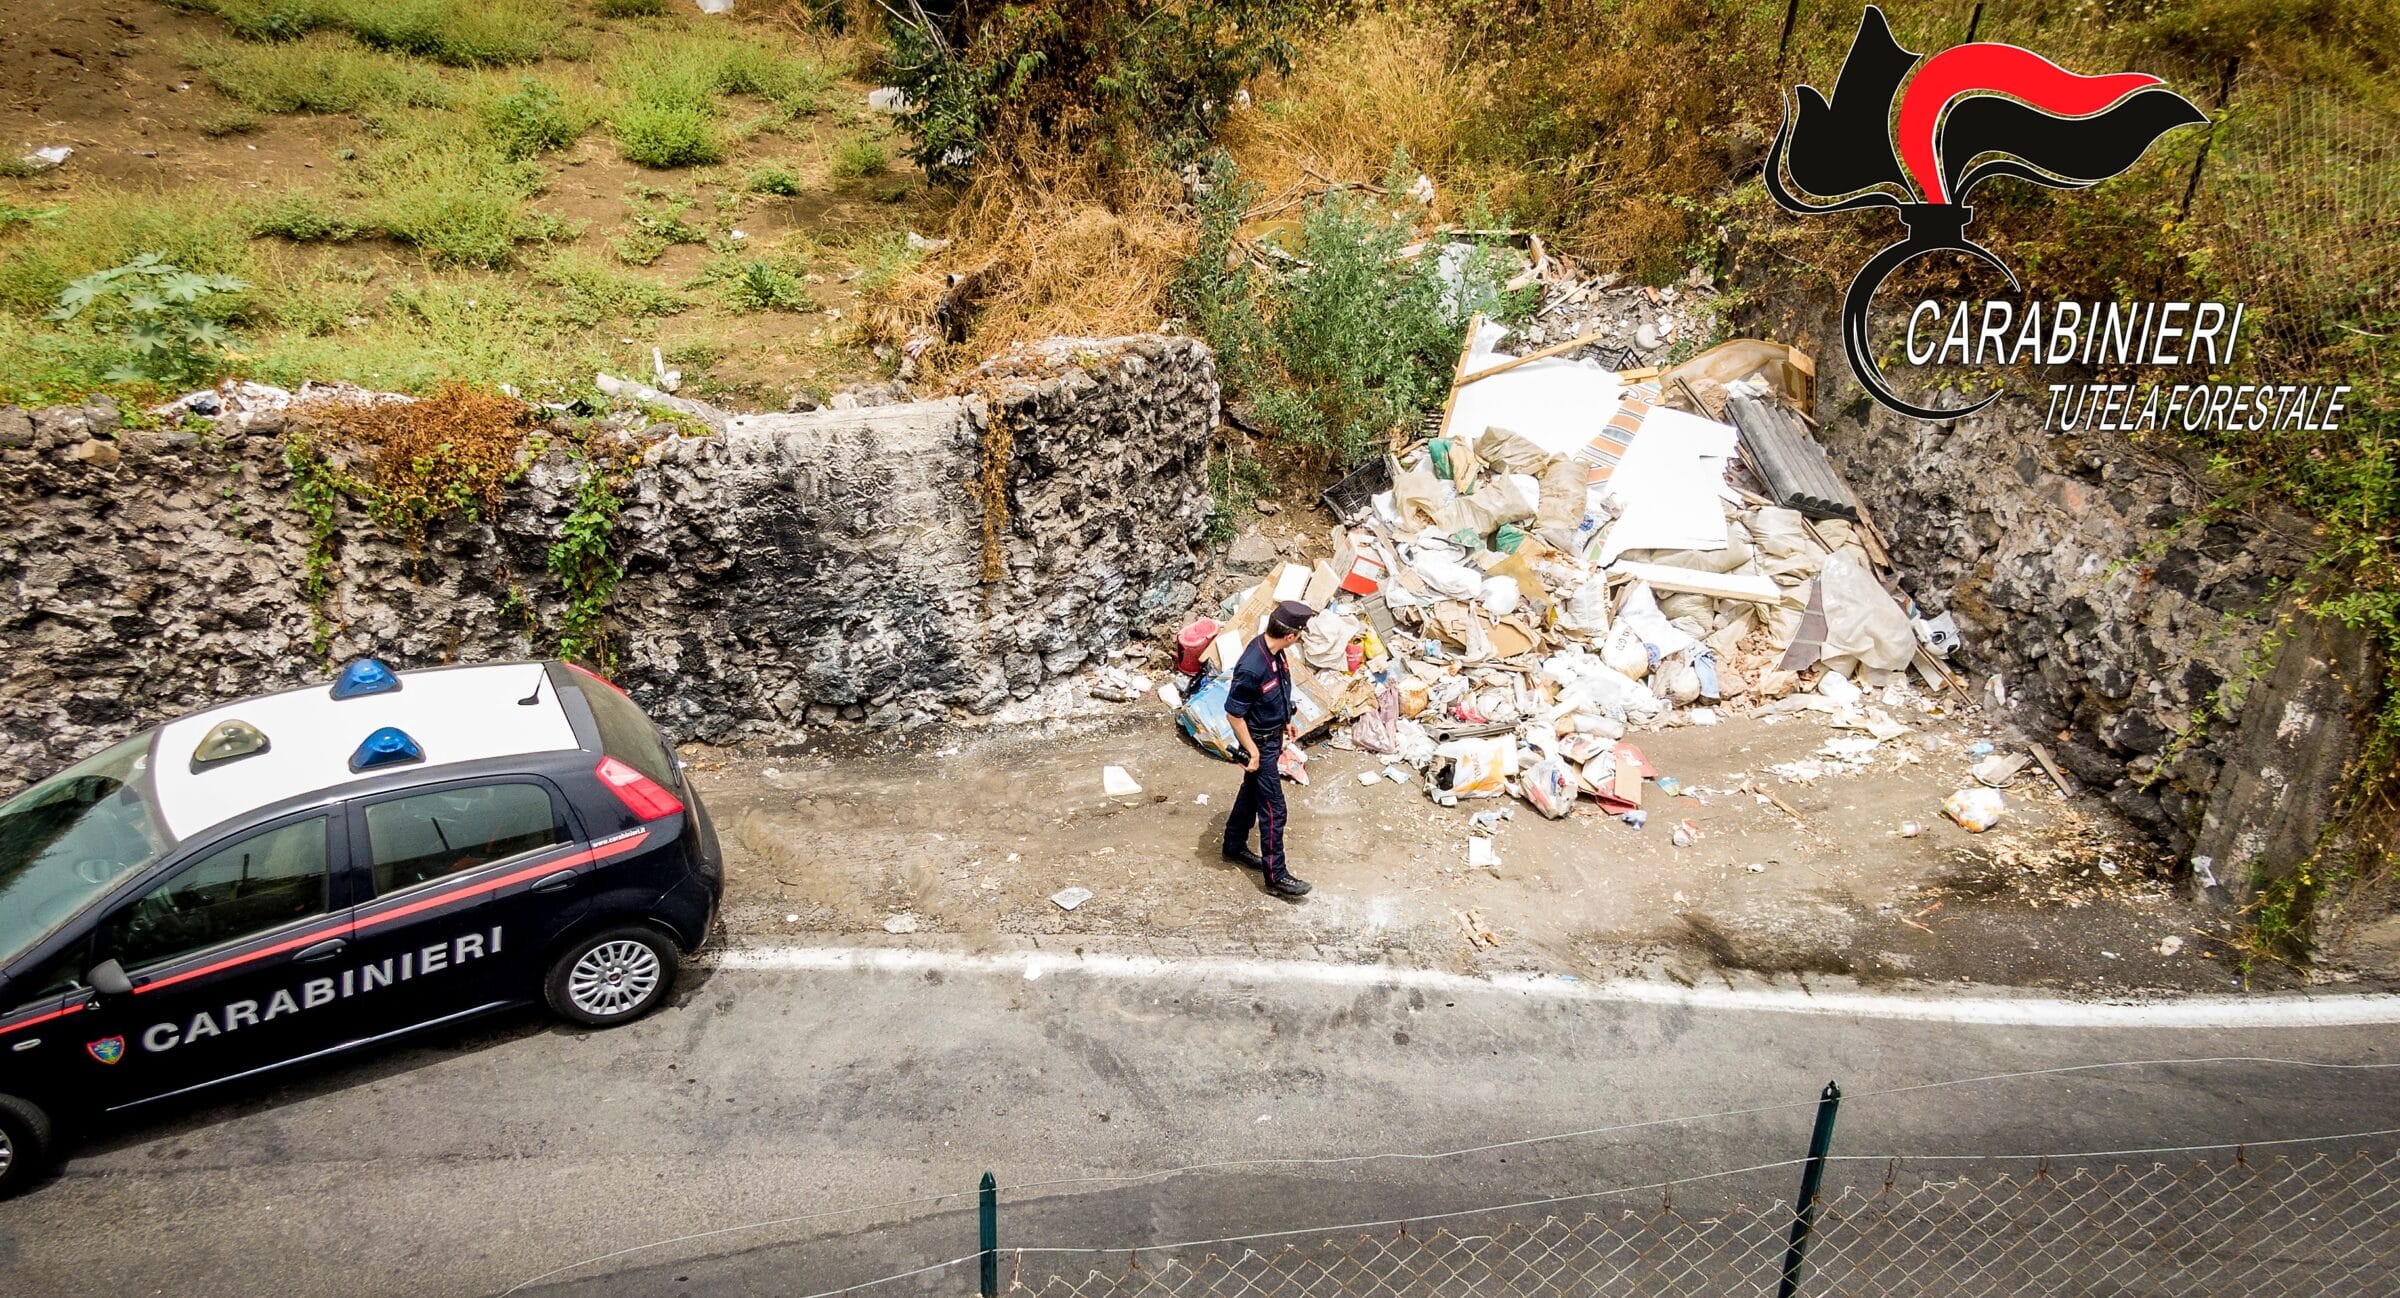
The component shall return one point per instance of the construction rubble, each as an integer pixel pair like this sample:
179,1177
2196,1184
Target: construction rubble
1575,555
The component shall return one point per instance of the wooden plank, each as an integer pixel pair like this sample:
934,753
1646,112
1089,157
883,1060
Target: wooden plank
1556,349
1876,549
2050,768
1474,324
1692,581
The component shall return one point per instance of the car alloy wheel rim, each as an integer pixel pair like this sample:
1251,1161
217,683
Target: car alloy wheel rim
614,978
8,1151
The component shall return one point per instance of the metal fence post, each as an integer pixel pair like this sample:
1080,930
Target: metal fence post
988,1214
2191,188
1812,1174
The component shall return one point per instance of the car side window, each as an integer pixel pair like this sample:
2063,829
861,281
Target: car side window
430,835
261,882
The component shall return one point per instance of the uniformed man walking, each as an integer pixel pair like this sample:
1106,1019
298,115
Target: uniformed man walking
1259,705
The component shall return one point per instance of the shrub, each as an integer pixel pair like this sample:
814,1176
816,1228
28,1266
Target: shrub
757,285
591,293
857,158
668,135
302,217
1351,346
233,121
101,228
457,202
467,33
1102,77
323,74
531,121
157,313
774,180
12,216
652,229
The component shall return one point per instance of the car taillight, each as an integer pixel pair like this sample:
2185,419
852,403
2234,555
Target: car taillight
581,670
641,795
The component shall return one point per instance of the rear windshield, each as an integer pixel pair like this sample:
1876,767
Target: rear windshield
69,839
625,733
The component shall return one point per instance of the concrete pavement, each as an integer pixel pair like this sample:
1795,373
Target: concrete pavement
521,1153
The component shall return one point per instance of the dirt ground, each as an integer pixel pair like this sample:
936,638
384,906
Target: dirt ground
963,837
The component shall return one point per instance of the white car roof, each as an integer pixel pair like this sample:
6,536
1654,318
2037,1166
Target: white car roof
456,714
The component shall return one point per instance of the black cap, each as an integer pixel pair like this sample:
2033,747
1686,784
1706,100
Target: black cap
1289,617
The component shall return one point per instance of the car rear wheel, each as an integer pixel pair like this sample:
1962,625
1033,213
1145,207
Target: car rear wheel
24,1143
612,977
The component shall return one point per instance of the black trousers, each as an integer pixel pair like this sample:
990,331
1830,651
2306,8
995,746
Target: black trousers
1260,802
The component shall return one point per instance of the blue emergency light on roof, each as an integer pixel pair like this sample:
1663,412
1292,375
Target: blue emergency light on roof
365,676
388,746
226,742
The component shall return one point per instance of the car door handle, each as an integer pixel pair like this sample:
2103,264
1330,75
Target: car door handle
324,950
555,882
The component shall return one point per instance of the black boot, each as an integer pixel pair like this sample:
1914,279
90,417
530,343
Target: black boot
1284,883
1243,856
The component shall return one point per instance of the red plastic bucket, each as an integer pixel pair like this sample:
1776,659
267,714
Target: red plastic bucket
1191,642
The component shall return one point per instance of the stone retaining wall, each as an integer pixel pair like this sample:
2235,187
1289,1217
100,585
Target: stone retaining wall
797,571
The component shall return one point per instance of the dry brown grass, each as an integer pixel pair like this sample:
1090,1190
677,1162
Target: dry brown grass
1389,81
1041,249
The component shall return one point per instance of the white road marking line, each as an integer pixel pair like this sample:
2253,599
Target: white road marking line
2188,1012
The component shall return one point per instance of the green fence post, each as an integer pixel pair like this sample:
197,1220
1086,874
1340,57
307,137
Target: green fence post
988,1213
1812,1174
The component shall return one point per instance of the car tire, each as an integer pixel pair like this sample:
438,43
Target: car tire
611,977
24,1144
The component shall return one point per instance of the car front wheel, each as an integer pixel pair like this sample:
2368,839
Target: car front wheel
612,977
24,1143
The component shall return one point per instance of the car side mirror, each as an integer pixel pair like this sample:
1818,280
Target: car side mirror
109,977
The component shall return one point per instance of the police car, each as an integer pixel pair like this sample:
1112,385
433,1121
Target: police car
300,874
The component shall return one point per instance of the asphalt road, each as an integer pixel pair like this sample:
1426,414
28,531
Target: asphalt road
521,1153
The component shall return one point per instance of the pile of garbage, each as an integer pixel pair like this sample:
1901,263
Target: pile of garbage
1577,554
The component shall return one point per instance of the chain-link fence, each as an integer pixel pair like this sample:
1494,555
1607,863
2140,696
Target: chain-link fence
2323,1227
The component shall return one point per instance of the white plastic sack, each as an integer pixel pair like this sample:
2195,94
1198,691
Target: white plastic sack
1447,577
1641,612
1586,611
1325,641
1500,596
1861,620
1624,652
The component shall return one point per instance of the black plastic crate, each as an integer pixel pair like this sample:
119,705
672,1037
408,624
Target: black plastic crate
1354,496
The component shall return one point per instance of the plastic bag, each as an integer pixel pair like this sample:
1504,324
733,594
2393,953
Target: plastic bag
1625,653
1377,731
1291,763
1474,768
1202,716
1550,787
1975,810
